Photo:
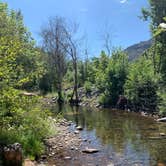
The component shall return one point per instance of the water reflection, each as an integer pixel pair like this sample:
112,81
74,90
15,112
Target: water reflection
124,137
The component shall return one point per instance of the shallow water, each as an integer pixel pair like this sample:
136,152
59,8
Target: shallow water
124,138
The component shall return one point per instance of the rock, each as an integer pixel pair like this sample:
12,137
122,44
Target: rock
76,132
43,157
28,162
28,94
52,153
67,158
13,154
161,119
90,150
110,164
162,25
162,134
122,102
79,128
160,164
97,105
157,137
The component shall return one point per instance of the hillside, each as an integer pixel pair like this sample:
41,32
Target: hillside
136,50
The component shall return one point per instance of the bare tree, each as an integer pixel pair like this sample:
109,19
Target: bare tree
54,40
107,43
107,36
71,49
58,39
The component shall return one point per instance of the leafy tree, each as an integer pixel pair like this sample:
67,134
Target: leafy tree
20,67
116,75
141,86
156,13
101,65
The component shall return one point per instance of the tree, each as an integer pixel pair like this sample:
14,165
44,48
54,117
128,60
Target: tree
55,43
19,66
141,86
156,13
71,48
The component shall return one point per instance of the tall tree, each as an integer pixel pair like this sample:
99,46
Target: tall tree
54,43
156,13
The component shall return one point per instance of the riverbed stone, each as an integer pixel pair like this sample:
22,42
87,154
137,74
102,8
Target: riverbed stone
90,150
161,119
79,128
67,158
76,132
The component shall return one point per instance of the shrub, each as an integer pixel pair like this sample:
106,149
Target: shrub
87,87
104,100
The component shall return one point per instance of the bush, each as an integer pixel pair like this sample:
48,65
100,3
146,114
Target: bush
21,121
104,100
87,87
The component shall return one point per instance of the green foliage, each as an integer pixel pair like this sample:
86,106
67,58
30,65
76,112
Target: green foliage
20,68
104,100
141,85
116,75
19,58
156,13
162,101
87,87
101,65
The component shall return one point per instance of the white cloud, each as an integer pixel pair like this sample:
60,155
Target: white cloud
123,1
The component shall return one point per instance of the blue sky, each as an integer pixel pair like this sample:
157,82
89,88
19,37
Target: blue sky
118,17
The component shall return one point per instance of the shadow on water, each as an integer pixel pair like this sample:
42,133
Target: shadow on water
124,137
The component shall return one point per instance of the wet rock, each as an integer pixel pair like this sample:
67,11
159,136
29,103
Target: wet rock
85,140
161,119
79,128
76,132
90,150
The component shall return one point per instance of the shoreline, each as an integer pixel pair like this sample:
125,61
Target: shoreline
67,148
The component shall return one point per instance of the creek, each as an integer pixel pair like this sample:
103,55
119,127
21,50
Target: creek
124,138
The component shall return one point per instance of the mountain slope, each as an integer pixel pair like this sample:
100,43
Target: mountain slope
137,50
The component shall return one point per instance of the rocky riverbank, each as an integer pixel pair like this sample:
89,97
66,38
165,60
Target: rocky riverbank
68,148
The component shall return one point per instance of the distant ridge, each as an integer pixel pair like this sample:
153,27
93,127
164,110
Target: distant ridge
137,50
